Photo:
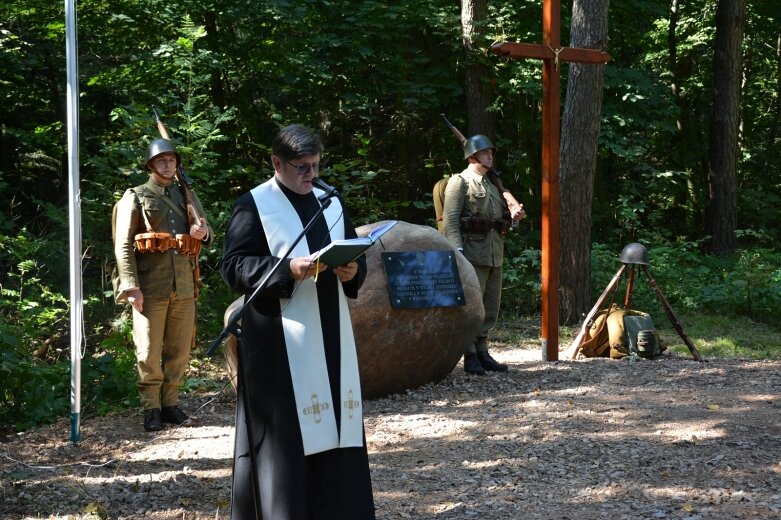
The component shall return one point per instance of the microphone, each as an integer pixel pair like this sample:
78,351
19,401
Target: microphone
329,190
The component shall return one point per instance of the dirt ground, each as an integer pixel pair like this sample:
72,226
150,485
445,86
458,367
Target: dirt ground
669,439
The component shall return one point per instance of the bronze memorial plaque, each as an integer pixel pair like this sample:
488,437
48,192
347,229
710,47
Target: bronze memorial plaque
419,279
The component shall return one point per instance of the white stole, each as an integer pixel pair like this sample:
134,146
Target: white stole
304,335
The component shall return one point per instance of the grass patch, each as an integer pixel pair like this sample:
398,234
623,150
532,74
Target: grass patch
719,336
715,336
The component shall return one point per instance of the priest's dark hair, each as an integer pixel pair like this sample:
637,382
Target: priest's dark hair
295,141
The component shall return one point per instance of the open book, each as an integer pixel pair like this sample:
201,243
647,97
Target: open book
341,252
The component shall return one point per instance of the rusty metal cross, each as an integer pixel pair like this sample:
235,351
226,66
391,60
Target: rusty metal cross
551,53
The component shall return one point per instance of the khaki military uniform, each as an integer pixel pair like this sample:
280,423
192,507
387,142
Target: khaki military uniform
470,194
163,332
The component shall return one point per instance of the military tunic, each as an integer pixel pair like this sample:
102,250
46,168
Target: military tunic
470,194
163,331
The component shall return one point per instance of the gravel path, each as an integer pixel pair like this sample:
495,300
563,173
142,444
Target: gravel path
669,439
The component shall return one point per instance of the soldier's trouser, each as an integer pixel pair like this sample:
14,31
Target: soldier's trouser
490,279
163,337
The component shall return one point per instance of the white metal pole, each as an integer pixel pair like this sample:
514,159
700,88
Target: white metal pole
74,220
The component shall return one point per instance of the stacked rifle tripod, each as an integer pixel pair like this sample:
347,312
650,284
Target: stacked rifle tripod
632,255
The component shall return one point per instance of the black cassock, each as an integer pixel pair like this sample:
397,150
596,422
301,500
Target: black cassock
334,484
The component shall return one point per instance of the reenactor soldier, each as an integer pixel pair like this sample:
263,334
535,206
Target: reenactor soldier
159,229
476,216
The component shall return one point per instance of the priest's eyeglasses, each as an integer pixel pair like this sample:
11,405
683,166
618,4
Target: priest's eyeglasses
302,169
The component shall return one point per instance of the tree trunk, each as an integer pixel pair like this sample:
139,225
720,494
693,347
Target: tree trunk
770,143
672,49
478,99
723,146
579,139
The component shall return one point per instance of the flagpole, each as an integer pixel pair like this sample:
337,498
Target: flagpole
74,216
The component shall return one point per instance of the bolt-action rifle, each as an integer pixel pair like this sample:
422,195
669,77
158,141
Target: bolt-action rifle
194,217
181,175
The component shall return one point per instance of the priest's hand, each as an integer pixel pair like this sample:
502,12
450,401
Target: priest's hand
346,272
304,267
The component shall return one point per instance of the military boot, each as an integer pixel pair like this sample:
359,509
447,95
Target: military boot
472,365
175,415
489,363
152,422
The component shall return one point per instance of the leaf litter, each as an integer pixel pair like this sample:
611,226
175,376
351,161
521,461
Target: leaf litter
669,438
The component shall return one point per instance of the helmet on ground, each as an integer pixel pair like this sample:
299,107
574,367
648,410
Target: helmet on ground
634,253
160,146
475,144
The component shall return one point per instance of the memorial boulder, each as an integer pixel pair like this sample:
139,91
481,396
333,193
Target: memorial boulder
403,348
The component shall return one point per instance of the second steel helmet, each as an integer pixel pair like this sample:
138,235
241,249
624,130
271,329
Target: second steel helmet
475,144
634,253
160,146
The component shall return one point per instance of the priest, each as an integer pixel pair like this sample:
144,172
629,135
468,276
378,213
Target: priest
303,394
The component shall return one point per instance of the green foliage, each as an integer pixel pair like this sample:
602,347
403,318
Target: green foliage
36,391
750,285
109,381
31,391
109,376
26,297
521,283
357,180
746,284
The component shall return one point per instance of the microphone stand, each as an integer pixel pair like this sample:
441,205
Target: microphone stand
234,328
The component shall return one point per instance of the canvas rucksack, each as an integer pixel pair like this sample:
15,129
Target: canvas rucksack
120,298
617,333
438,194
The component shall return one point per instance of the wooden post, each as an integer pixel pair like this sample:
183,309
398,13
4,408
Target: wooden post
551,54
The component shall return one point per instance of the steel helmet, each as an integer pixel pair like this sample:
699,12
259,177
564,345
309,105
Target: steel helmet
160,146
634,253
475,144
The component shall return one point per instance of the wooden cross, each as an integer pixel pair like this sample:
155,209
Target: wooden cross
551,53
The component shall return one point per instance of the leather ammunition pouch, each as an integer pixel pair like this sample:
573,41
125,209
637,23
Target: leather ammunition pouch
483,225
154,242
502,226
162,242
188,245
